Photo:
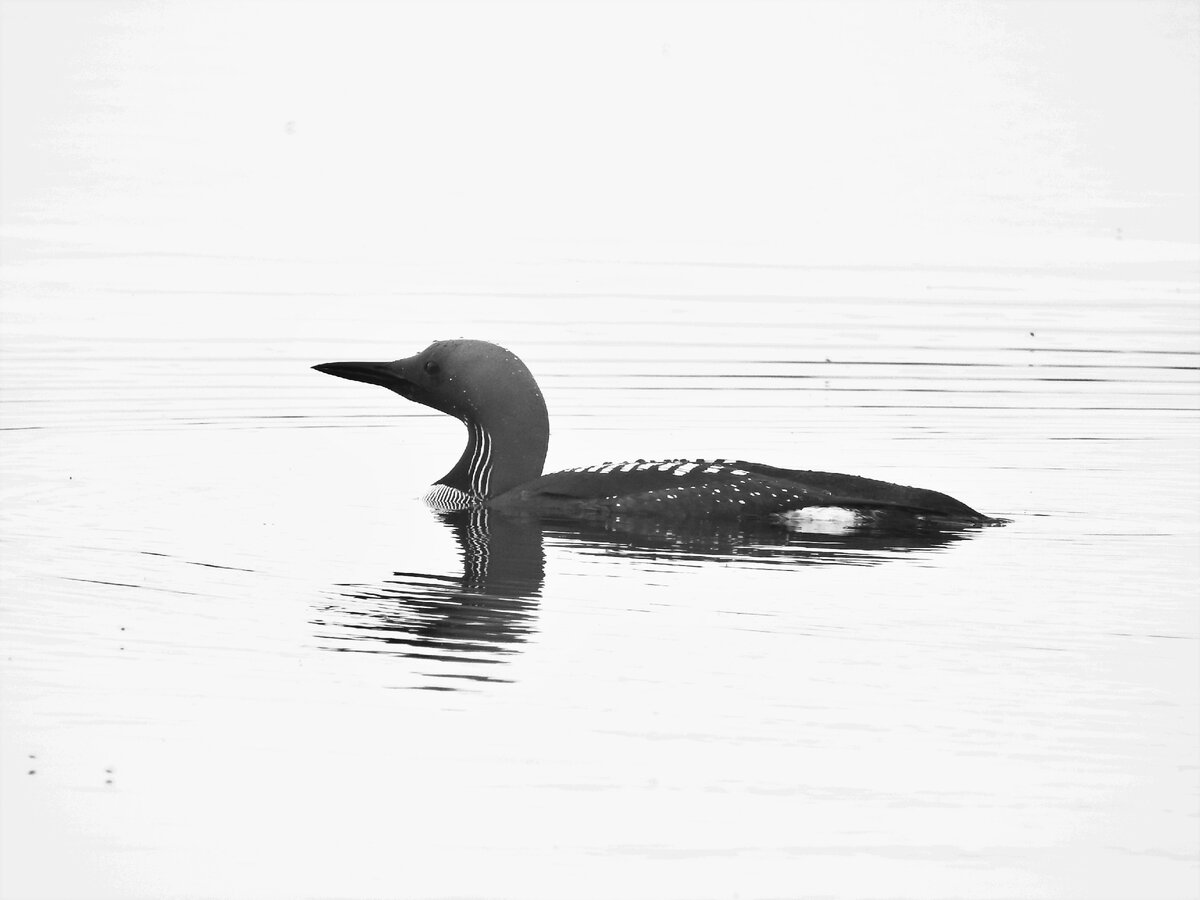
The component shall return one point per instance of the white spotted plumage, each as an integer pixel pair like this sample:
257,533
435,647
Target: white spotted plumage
674,466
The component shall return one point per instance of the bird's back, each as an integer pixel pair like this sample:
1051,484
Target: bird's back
722,488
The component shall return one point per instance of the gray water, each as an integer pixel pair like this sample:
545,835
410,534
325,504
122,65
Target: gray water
243,659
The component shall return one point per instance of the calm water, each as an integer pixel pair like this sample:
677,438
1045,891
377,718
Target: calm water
241,659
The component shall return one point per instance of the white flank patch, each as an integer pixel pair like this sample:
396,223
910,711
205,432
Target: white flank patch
821,519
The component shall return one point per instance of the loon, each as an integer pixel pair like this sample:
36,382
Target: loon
494,394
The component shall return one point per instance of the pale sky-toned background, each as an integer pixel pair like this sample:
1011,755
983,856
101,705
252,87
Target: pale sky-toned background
768,132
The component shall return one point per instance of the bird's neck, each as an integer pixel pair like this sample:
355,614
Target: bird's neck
501,453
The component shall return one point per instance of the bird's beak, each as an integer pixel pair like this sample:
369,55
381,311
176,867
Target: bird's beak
391,375
383,374
404,376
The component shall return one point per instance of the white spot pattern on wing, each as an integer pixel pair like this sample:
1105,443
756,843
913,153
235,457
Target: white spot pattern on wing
674,466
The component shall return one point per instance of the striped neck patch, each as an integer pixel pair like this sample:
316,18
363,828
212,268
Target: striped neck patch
444,498
479,469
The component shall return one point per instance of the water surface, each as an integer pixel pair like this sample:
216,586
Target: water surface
233,631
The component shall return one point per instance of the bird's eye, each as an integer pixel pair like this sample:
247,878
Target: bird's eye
432,367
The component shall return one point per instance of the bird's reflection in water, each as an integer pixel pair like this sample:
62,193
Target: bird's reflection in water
749,544
466,626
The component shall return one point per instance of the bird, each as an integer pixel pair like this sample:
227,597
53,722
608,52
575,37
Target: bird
495,395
